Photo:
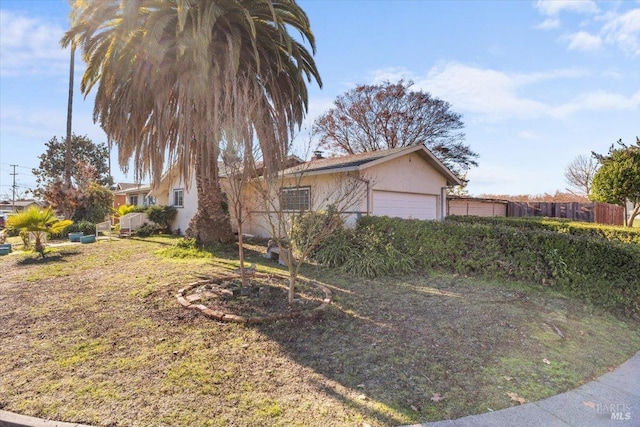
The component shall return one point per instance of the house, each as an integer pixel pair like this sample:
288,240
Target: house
18,205
407,182
131,194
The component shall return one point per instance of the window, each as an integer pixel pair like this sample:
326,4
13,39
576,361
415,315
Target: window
295,198
178,197
133,200
149,200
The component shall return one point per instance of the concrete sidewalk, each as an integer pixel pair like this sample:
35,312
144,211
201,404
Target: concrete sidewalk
611,400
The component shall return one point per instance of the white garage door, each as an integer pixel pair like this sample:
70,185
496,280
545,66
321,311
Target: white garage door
405,205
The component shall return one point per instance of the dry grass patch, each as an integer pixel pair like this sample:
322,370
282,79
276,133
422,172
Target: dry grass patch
96,336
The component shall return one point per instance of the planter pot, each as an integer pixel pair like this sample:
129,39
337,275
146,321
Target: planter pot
4,251
88,239
6,245
75,237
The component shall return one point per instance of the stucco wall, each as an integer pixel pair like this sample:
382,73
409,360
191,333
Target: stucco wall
410,173
346,191
190,204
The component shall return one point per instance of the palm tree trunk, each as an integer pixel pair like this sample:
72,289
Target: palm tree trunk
67,155
211,224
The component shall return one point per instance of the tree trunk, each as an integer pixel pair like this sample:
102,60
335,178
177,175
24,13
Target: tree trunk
67,155
292,289
633,215
211,224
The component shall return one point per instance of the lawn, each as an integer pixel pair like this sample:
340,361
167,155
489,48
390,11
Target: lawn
94,335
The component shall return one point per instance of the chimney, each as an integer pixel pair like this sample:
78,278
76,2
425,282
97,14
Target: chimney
317,155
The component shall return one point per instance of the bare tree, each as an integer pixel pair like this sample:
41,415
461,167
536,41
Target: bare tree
392,115
238,169
579,175
339,197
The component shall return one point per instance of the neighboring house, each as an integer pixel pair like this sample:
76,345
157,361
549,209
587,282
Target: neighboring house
407,182
18,205
131,194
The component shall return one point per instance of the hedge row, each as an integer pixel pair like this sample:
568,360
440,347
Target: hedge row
603,272
609,232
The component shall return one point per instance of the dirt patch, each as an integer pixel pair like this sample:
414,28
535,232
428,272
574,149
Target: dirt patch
263,299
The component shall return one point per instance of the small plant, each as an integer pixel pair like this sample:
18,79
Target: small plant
146,230
187,243
24,236
39,222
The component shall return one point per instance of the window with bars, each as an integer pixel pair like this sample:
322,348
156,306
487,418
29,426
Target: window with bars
178,197
295,198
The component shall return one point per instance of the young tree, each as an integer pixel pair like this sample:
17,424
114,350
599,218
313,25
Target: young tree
238,169
39,222
168,74
618,179
339,197
86,155
579,175
390,115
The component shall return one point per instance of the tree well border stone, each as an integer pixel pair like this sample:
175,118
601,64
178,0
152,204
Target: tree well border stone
183,300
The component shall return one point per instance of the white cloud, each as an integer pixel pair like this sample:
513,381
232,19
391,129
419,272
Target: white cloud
621,29
549,24
599,100
624,31
30,46
485,91
554,7
492,95
528,135
583,41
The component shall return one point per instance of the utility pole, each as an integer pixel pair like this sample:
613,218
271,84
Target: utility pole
13,187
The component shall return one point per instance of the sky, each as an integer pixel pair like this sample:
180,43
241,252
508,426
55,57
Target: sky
537,83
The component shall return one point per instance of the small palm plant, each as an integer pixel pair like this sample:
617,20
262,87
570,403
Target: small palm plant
39,222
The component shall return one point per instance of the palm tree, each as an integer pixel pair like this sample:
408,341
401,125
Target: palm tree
39,222
176,77
67,142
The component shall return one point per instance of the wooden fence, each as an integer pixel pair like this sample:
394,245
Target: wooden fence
601,213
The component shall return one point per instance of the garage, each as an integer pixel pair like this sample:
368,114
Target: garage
405,205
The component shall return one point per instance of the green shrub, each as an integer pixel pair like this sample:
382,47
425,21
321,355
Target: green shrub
335,251
586,266
162,215
310,229
187,243
86,227
609,232
125,209
146,230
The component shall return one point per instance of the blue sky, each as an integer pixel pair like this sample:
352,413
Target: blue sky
537,82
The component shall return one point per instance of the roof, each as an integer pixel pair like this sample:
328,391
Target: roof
357,162
19,203
477,199
133,188
126,185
